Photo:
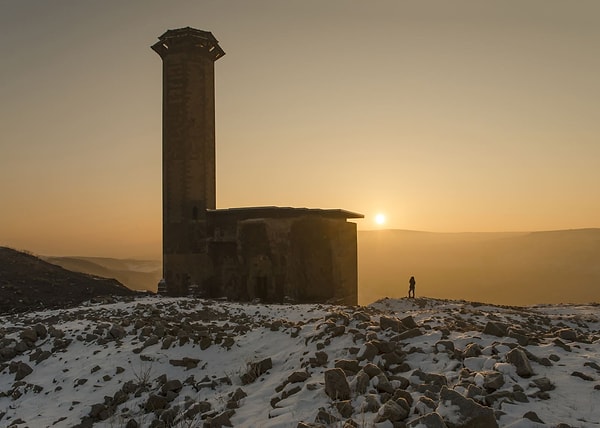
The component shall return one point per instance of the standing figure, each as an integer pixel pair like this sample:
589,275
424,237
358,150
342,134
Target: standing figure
411,287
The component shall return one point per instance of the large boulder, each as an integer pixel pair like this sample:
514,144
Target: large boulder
116,332
20,369
255,370
391,411
493,381
361,382
382,384
496,329
430,420
409,334
391,323
336,384
472,350
567,334
368,352
371,369
350,367
41,330
518,358
470,414
409,322
172,385
155,402
29,335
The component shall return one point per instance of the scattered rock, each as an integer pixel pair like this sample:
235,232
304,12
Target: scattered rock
362,382
495,329
319,360
350,367
367,377
592,364
391,411
197,408
155,402
382,384
188,363
543,383
220,420
372,370
409,322
518,358
100,412
336,384
430,420
567,334
532,416
238,394
582,376
325,417
469,414
132,423
20,369
391,323
298,376
413,332
368,352
472,350
493,380
256,369
562,345
29,335
344,408
116,332
444,345
172,386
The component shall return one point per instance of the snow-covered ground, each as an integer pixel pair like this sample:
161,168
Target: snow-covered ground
159,362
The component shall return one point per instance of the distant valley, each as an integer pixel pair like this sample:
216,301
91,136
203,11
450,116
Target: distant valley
140,275
502,268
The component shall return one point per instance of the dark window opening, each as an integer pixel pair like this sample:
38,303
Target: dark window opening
195,213
262,287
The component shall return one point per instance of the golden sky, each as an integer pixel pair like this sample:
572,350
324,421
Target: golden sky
446,116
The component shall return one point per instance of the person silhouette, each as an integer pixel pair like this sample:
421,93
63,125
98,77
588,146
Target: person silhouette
411,287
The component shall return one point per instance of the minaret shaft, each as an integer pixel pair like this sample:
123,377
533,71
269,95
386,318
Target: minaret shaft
189,176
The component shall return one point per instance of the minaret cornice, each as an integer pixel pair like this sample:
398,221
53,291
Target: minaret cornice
186,39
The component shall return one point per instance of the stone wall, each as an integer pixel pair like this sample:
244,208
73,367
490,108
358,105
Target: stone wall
302,259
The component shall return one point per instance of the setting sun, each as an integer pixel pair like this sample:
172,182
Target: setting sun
380,219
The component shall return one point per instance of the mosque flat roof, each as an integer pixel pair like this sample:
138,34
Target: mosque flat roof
280,212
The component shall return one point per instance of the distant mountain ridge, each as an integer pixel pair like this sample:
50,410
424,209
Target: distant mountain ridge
140,275
515,268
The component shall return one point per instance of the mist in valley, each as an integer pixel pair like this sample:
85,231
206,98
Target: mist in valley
501,268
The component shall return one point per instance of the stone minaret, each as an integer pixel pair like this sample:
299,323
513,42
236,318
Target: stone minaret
189,186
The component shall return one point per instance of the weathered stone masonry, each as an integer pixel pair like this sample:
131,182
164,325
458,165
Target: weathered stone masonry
241,253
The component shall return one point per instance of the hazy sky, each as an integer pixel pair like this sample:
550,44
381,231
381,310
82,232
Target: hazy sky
445,115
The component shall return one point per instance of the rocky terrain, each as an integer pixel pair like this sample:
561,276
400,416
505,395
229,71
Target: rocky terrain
178,362
28,282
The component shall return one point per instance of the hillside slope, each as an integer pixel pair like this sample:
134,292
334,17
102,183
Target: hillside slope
178,362
140,275
27,282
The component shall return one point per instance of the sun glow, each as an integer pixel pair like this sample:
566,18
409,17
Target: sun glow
380,219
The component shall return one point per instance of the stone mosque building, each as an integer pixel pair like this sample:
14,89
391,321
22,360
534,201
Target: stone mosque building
270,253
